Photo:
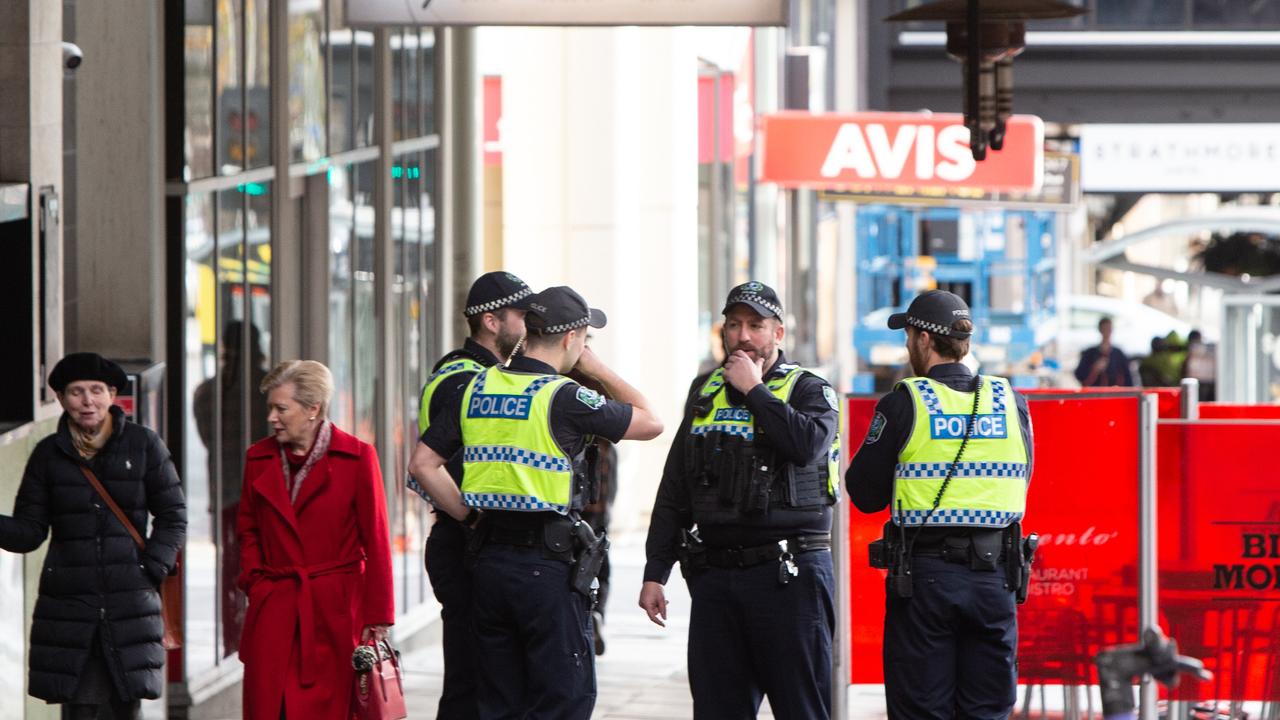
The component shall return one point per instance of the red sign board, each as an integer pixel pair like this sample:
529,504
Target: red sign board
707,117
1219,553
492,120
887,151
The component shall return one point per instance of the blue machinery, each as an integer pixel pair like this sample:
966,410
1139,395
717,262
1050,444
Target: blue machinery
1003,262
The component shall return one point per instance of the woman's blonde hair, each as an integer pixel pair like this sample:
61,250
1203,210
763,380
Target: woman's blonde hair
312,382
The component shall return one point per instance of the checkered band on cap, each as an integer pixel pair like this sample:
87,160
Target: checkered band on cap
493,305
927,326
562,327
746,297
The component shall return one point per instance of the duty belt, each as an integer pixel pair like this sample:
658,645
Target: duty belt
745,557
520,537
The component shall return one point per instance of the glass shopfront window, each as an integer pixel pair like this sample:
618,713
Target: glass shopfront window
257,73
197,44
225,243
307,94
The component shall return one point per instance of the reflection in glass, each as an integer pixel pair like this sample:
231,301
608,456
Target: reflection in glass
257,70
363,319
306,80
427,75
341,98
231,114
362,42
202,462
341,215
197,53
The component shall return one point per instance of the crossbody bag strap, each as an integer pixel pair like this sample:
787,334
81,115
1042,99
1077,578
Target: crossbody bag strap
115,509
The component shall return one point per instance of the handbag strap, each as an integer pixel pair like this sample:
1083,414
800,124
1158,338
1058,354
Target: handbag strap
115,509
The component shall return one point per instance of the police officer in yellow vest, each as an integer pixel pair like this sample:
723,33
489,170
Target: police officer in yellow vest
753,467
950,455
495,309
523,432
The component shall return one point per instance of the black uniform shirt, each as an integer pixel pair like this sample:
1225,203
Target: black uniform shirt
870,475
448,396
576,412
800,431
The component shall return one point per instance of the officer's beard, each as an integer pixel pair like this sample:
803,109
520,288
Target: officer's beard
506,342
918,357
764,354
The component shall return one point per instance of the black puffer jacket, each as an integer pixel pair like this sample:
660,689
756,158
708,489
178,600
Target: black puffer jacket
94,574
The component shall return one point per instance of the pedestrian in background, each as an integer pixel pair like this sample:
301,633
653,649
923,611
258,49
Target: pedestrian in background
1202,365
96,636
1104,365
315,553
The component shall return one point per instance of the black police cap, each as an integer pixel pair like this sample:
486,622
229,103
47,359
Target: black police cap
756,295
560,309
494,291
86,366
936,312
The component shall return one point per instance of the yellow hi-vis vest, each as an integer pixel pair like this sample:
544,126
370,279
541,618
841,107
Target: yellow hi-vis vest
510,459
447,370
737,420
989,486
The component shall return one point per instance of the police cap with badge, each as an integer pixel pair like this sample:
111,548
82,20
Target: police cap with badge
494,291
756,295
936,312
558,310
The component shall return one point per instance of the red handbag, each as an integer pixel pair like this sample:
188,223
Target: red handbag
379,692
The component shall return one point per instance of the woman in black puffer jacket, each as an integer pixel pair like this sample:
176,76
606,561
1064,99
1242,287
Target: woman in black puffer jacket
96,635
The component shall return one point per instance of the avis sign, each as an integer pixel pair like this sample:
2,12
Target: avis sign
896,150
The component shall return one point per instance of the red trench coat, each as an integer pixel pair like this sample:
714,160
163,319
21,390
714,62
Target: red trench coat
316,573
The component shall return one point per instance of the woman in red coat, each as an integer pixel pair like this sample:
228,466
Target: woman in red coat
315,553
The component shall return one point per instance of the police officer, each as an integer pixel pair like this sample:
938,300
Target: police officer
495,309
523,431
950,455
753,467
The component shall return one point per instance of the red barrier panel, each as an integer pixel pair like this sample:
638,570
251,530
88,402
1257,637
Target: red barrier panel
1083,501
1219,555
1170,397
1213,411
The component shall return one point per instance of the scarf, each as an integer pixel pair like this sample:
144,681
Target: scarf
86,443
318,450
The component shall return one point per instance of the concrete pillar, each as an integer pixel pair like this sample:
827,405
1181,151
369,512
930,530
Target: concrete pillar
600,193
117,264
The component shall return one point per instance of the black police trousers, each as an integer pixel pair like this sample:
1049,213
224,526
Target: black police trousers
751,637
451,583
950,650
534,637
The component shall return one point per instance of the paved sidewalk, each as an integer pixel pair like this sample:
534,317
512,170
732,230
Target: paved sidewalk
642,676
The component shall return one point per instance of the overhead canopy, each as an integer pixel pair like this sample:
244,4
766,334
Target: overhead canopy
1111,253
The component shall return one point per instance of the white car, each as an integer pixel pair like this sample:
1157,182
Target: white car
1133,324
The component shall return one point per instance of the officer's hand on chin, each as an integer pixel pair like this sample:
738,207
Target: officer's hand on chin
742,372
653,600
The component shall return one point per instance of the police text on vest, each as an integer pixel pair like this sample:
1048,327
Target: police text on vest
952,427
511,407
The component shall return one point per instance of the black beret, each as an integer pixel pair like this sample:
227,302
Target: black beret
86,366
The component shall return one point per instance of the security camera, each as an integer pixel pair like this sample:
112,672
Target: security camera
72,56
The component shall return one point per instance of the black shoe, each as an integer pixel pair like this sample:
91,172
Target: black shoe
597,630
